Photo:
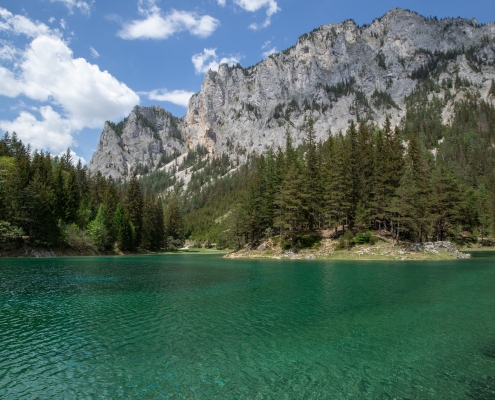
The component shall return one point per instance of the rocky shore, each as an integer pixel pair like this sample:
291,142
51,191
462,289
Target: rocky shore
383,250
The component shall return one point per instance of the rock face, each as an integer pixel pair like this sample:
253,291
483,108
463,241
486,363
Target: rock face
144,141
335,73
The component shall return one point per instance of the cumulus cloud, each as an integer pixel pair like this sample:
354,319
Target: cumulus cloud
178,97
19,24
255,5
7,52
52,129
155,25
209,60
83,6
94,53
46,71
75,157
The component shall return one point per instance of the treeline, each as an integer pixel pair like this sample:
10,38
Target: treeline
373,178
48,201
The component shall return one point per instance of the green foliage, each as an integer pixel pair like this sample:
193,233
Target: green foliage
55,203
380,58
307,241
97,229
492,89
383,99
173,224
118,128
8,234
340,89
346,241
365,238
78,239
125,232
133,208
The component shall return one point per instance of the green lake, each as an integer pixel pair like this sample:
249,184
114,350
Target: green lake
201,327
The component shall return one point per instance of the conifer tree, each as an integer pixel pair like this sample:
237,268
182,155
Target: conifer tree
174,224
97,229
133,207
124,230
312,177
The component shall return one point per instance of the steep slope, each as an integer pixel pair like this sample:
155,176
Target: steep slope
336,73
144,141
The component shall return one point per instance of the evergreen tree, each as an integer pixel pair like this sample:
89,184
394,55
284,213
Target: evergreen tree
133,206
124,230
97,229
312,177
174,224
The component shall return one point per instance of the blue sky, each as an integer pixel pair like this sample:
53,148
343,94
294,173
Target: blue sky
66,66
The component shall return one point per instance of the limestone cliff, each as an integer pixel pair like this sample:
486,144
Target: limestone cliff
335,73
144,141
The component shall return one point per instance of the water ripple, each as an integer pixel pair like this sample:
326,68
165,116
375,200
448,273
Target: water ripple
202,327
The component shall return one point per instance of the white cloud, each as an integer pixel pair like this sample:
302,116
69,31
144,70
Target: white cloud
209,60
52,20
52,131
7,52
94,53
178,97
83,6
155,25
255,5
46,71
63,23
19,24
75,157
270,52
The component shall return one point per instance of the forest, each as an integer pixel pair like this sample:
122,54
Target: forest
47,201
421,181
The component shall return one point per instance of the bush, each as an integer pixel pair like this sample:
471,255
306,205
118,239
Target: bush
346,241
173,244
367,237
307,241
78,240
9,234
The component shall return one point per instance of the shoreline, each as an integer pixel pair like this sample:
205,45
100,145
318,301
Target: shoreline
382,251
42,252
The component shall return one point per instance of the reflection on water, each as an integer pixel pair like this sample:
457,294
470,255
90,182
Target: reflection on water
192,326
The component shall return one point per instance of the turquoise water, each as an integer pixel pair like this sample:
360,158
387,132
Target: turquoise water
201,327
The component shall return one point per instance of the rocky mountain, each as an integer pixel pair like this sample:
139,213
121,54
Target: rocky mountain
147,139
336,73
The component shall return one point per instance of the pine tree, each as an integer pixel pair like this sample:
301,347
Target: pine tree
124,230
133,207
289,202
97,229
403,210
312,177
174,224
444,196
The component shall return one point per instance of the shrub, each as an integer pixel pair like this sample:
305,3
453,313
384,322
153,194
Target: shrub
78,240
346,241
367,237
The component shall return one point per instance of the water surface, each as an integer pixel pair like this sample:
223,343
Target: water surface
201,327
